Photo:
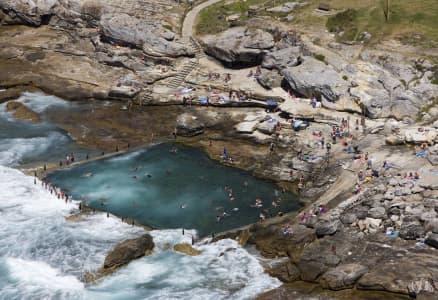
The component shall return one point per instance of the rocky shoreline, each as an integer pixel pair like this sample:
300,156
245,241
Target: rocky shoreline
383,238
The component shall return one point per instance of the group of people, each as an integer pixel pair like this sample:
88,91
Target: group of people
54,190
313,212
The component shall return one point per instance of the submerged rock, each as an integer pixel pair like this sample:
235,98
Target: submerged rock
21,112
127,251
186,249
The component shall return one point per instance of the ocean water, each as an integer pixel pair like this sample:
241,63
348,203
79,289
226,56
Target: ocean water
172,186
42,255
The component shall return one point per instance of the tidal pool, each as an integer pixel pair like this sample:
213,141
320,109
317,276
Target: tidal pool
173,186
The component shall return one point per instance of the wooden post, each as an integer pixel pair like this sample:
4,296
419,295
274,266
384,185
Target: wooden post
387,10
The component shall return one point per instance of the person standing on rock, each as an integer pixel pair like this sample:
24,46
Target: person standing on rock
322,142
271,147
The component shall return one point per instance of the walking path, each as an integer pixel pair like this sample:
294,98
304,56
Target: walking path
189,21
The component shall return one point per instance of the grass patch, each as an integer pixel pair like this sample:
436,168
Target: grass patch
320,57
212,19
426,108
345,77
413,21
168,27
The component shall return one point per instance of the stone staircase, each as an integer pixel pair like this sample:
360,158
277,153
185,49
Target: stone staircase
182,74
188,67
199,53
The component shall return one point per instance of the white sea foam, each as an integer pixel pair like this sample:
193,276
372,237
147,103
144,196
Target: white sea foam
40,102
12,150
43,255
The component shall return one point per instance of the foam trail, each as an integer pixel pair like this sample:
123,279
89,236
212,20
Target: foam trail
13,150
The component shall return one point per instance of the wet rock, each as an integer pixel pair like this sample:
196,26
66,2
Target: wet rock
327,227
377,212
432,240
285,271
342,277
128,250
21,112
186,249
313,77
238,46
189,125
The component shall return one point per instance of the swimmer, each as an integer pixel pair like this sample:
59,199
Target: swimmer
183,206
245,184
87,175
274,204
135,177
231,199
218,219
236,209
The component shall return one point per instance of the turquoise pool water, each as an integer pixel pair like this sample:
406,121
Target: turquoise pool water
173,186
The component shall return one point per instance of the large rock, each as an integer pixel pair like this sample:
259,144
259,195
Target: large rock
343,276
238,46
268,126
129,250
189,125
186,249
327,227
282,58
149,36
313,78
246,127
21,112
377,212
285,7
270,79
29,12
416,137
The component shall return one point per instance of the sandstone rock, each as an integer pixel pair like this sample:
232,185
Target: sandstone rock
189,125
124,92
343,276
300,165
285,271
416,137
394,140
268,126
246,127
433,155
348,218
327,227
186,249
238,46
21,112
129,250
421,285
429,181
270,79
411,231
152,38
377,212
282,58
431,225
313,77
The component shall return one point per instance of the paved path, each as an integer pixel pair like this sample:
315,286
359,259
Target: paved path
189,21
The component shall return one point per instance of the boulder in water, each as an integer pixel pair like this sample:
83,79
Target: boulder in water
21,112
127,251
186,249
